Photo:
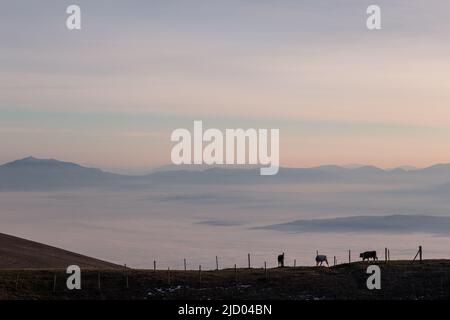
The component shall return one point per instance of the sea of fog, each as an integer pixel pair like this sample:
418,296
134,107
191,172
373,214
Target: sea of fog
168,223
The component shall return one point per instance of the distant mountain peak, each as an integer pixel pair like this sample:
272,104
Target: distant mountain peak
30,161
26,159
31,173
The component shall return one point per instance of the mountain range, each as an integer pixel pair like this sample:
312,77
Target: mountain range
40,174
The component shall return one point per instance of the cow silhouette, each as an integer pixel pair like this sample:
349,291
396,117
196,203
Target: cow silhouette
320,259
368,255
281,260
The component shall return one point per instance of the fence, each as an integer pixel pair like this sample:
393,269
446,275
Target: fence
293,261
48,282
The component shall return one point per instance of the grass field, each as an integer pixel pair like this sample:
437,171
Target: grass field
399,280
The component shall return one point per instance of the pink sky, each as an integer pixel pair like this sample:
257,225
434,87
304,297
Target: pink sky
111,94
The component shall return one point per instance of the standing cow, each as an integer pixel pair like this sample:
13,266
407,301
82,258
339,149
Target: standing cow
320,259
281,260
369,255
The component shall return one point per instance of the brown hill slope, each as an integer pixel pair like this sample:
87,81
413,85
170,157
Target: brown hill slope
18,253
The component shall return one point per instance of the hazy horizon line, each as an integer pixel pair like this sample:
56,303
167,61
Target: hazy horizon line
172,167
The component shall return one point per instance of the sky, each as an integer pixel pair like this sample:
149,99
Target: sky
110,94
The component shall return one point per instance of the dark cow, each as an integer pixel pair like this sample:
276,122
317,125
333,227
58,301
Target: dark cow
281,260
369,255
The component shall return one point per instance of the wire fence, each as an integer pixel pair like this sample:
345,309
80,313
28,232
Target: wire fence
252,270
256,260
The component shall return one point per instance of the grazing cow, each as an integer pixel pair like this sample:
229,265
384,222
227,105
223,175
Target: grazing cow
320,258
369,254
281,260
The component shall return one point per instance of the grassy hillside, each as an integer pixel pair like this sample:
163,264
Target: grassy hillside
18,253
399,280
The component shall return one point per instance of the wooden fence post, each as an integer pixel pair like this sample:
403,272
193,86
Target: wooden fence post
154,265
249,264
389,255
54,283
184,264
419,253
334,260
385,255
295,263
217,263
349,256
